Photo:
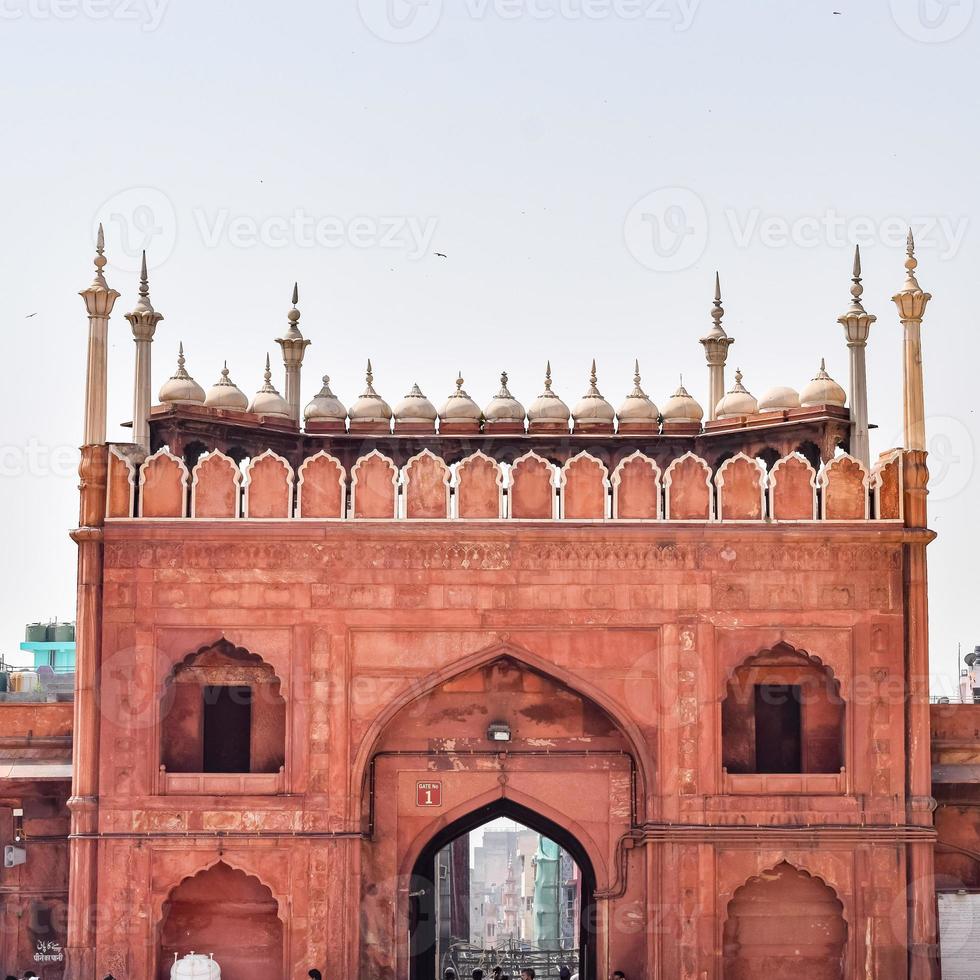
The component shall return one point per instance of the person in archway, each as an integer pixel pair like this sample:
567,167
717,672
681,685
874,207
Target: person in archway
497,973
315,975
477,974
564,973
450,974
618,975
527,974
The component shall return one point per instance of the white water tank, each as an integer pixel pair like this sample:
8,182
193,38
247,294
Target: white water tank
195,966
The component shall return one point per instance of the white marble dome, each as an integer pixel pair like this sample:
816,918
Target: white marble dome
779,399
370,407
682,407
181,388
459,407
638,407
225,394
739,401
504,407
822,390
325,406
268,401
548,407
592,408
415,407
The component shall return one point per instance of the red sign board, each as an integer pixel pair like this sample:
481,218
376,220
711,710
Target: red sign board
428,794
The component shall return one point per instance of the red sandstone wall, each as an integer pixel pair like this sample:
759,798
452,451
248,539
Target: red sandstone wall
357,620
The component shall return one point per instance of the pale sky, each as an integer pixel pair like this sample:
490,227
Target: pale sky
584,165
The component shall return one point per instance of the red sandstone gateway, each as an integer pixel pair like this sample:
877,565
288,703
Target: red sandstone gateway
693,654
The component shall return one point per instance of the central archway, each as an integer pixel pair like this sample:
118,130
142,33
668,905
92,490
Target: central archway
424,886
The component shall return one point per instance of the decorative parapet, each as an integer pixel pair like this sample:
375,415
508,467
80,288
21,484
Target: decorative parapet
739,489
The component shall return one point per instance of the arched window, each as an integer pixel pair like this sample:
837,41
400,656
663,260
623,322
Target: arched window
223,725
782,713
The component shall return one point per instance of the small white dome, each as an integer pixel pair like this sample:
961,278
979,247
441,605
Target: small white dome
415,407
779,399
504,407
268,401
681,407
822,390
459,407
325,406
548,407
592,407
370,407
638,406
181,388
224,393
739,401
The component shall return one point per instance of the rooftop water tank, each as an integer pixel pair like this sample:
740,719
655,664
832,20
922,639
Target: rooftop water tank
195,966
61,633
36,633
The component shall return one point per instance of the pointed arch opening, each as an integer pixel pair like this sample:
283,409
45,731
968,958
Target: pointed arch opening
561,906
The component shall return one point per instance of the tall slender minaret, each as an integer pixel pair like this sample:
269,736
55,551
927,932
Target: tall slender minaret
716,344
293,347
857,326
143,320
99,300
911,303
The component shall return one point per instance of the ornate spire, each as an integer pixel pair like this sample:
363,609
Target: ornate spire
637,391
99,297
593,391
459,393
911,303
548,393
293,316
267,384
911,300
369,391
504,391
716,343
717,331
293,346
857,327
181,371
592,409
